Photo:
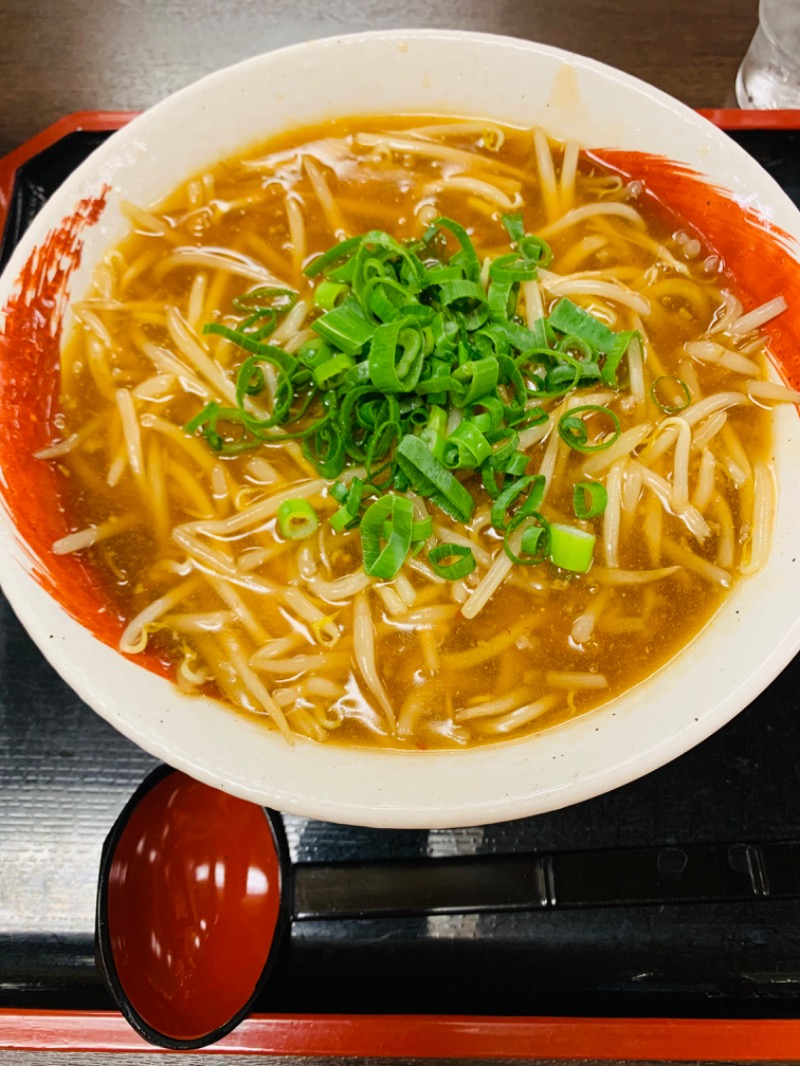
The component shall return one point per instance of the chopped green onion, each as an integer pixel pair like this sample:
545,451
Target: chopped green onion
347,515
474,380
533,416
328,294
614,356
535,540
533,485
517,464
325,448
468,299
254,301
345,327
341,519
579,349
572,428
531,542
297,519
384,561
331,369
430,478
466,447
515,227
463,561
532,247
658,386
510,268
467,257
562,378
404,334
589,499
520,337
438,274
567,317
571,548
395,356
432,435
421,530
333,255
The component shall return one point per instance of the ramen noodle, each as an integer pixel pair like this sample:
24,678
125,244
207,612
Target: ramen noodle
414,433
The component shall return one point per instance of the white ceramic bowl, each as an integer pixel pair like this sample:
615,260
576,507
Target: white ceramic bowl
749,642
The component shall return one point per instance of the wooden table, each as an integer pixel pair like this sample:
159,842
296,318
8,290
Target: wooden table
70,55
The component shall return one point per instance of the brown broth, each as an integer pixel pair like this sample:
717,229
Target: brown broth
431,670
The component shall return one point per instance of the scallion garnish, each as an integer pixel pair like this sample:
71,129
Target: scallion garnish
381,559
328,294
297,519
430,478
340,251
463,561
532,540
589,499
571,548
572,320
350,499
614,355
572,428
532,485
396,355
342,519
665,384
345,327
515,227
426,378
421,530
466,447
535,541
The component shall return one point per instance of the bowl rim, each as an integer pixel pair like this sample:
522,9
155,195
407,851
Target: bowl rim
611,775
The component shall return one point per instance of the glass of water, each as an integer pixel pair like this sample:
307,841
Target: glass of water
769,76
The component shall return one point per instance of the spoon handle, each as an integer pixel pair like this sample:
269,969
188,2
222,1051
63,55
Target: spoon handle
707,873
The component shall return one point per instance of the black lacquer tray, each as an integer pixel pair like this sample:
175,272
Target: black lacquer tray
65,775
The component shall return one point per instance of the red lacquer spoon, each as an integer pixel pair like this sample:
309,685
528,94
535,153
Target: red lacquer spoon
197,893
191,906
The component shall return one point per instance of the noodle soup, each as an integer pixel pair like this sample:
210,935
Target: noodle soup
282,515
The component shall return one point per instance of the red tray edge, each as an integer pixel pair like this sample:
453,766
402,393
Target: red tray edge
424,1036
734,118
78,120
432,1036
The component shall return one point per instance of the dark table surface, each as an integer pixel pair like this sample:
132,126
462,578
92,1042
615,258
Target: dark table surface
58,57
68,55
